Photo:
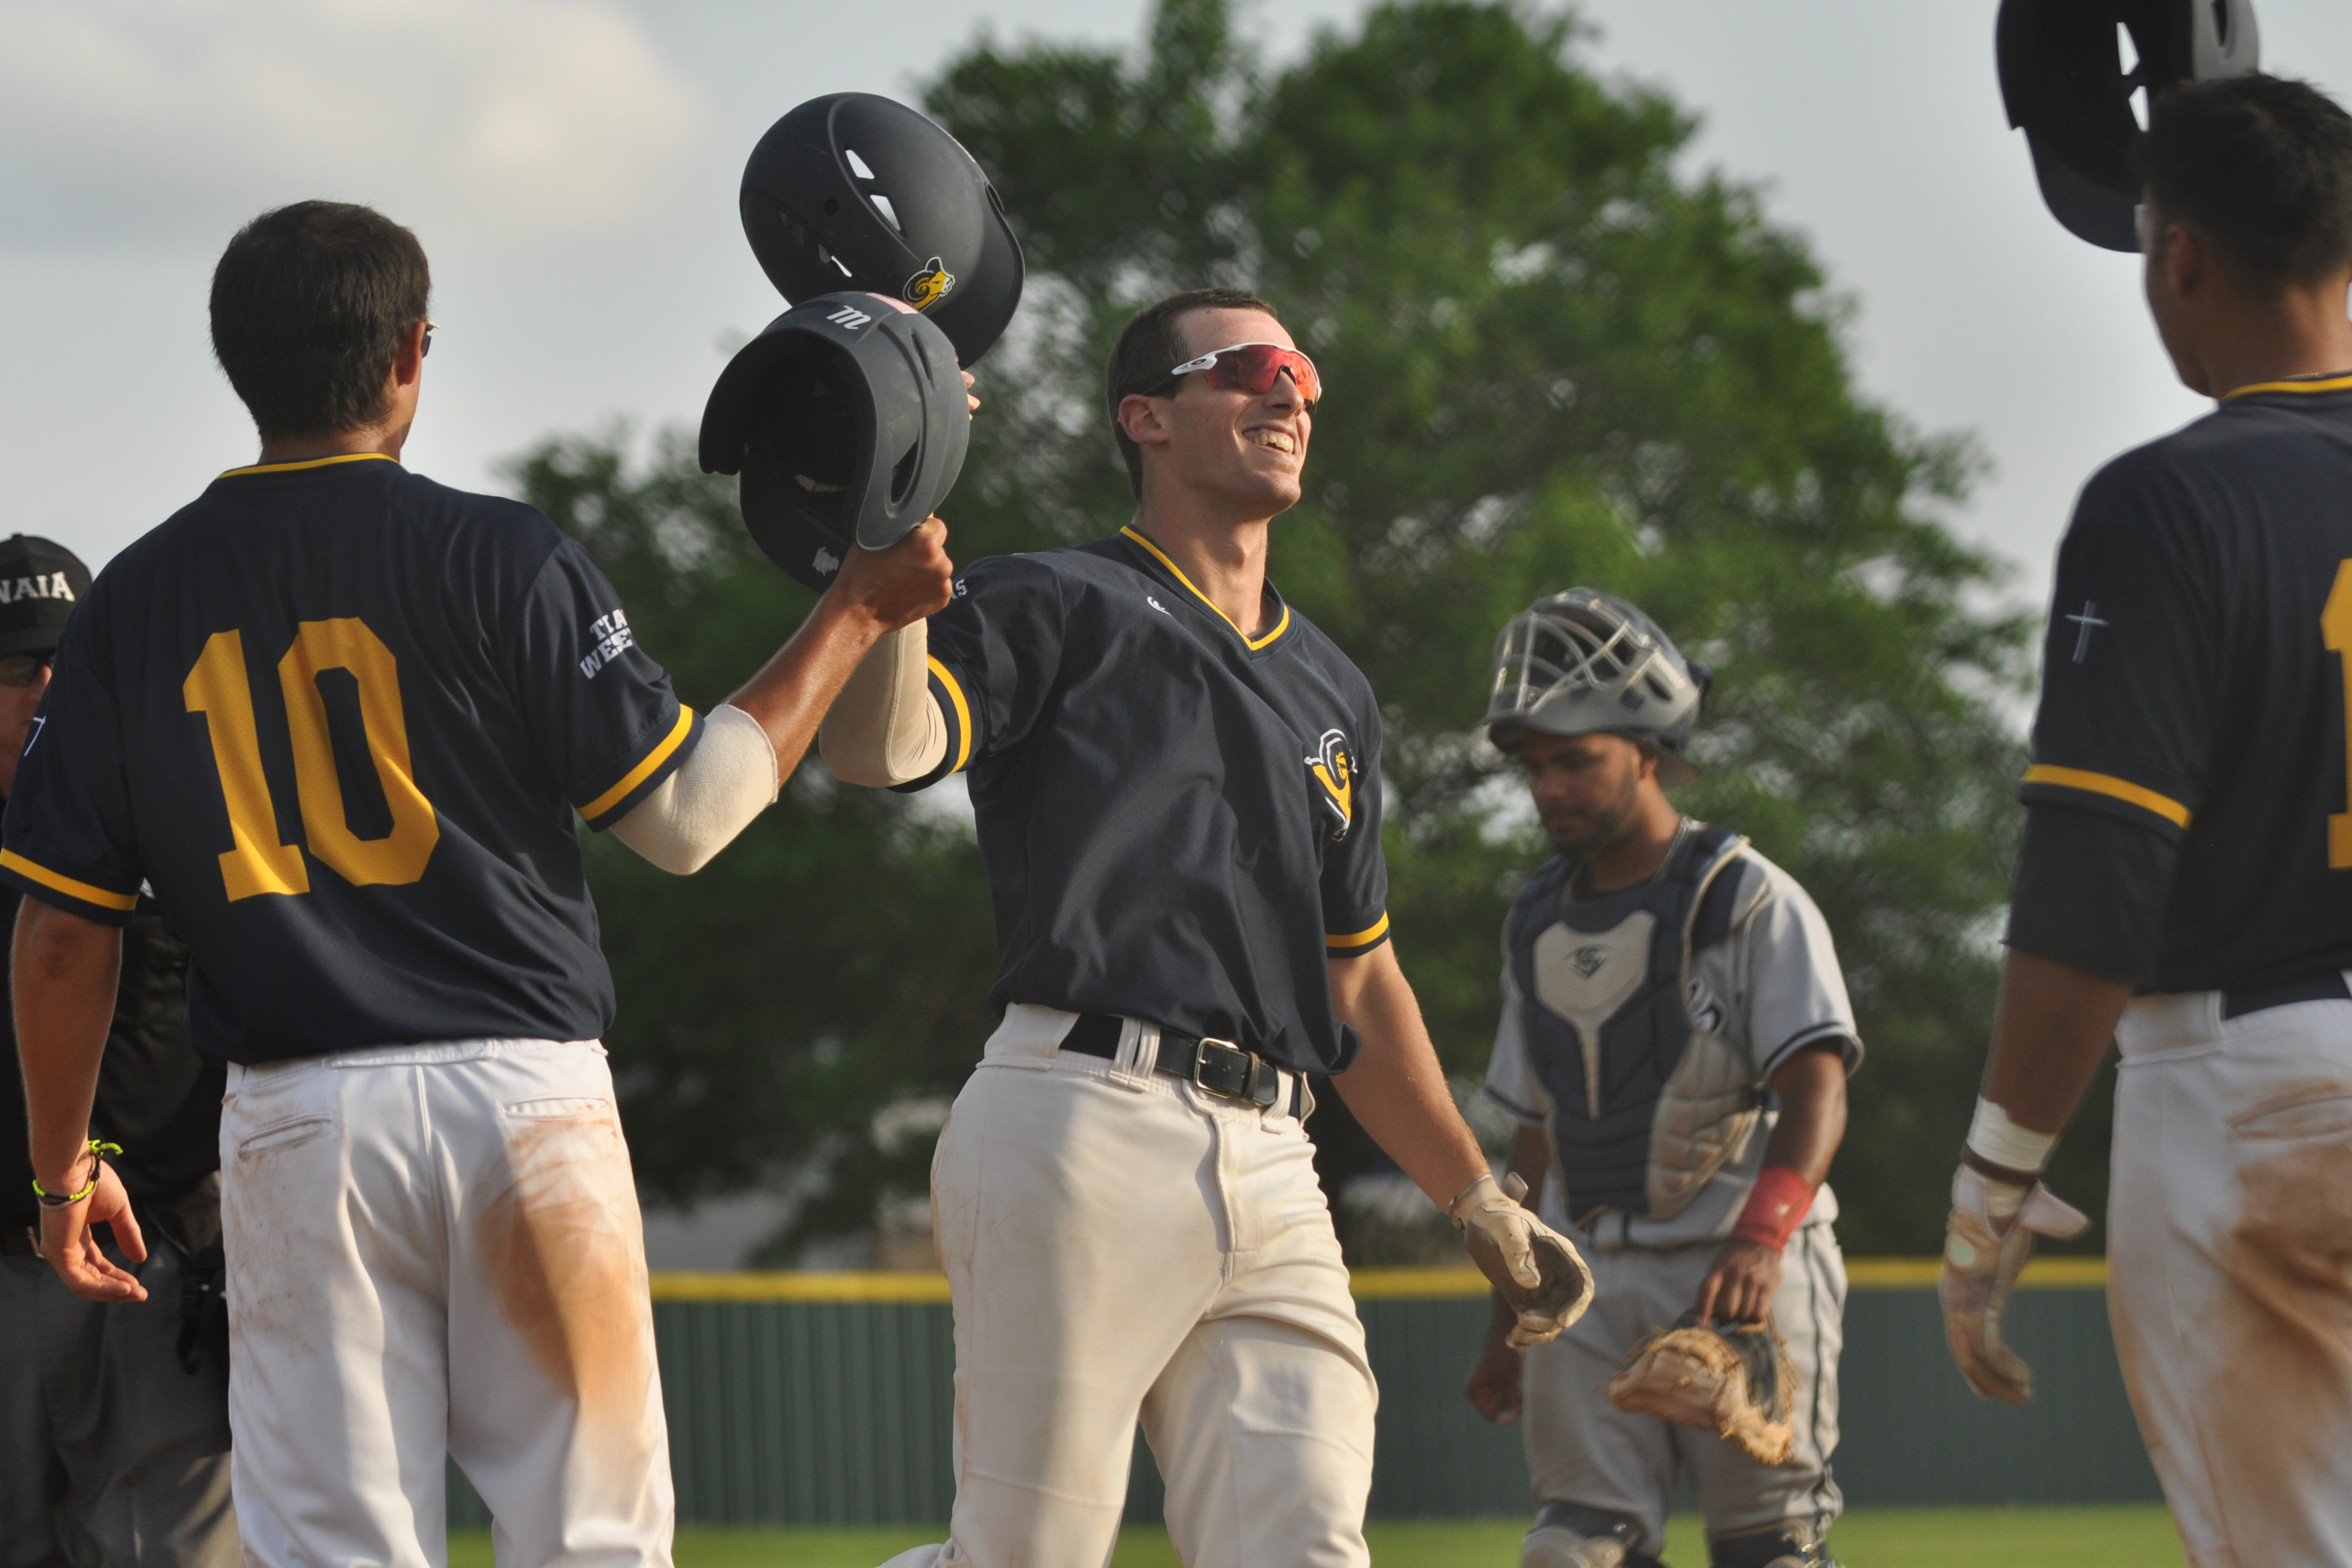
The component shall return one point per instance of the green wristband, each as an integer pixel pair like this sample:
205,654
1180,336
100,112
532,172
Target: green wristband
54,1201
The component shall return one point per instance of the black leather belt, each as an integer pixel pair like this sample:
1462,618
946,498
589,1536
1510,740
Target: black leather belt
1220,1067
2327,987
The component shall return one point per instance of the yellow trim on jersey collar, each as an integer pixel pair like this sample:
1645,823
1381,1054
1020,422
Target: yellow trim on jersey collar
2123,790
307,463
105,898
637,775
1160,555
2324,384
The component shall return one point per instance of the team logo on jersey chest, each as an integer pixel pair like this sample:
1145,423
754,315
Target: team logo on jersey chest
1333,769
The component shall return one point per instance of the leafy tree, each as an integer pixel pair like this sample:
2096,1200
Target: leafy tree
1552,360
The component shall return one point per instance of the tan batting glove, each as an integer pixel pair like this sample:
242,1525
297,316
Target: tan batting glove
1535,1268
1984,1252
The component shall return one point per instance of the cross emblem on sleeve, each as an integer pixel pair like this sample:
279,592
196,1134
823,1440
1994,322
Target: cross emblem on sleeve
2089,619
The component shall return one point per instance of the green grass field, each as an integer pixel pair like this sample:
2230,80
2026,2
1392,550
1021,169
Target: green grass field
1871,1538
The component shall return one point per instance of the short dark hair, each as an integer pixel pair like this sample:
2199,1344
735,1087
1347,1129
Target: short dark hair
2260,167
1148,348
310,304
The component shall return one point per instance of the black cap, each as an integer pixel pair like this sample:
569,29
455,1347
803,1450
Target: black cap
40,582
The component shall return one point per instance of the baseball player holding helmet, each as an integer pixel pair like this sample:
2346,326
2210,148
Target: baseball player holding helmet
2182,888
1176,783
340,721
1675,1042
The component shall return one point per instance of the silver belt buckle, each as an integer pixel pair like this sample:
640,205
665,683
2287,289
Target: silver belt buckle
1201,1061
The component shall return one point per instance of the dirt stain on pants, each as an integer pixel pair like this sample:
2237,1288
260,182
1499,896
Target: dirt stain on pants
2279,1413
562,1245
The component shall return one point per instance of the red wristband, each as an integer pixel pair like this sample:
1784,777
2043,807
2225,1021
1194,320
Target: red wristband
1776,1207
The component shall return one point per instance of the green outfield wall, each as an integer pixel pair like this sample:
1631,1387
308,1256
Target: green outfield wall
815,1399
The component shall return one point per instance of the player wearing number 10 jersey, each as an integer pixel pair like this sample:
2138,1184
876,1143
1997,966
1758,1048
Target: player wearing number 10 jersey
339,719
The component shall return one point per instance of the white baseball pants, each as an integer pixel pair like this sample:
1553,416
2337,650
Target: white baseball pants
1119,1243
2230,1271
437,1249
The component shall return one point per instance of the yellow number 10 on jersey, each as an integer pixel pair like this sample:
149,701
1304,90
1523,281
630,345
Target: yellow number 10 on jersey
217,689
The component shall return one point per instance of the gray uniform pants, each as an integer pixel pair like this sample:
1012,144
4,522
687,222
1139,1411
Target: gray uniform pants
111,1455
1582,1449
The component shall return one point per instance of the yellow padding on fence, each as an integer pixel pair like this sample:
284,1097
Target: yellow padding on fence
1902,1273
810,1287
1369,1284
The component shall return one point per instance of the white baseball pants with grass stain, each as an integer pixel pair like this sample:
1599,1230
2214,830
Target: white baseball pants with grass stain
2230,1271
437,1249
1120,1245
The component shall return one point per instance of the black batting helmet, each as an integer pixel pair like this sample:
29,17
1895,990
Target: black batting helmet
852,191
2065,84
846,418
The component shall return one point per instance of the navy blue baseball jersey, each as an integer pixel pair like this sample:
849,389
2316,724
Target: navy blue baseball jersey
338,718
1180,823
2194,680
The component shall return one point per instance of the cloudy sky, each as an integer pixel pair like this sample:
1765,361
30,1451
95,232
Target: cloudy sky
571,165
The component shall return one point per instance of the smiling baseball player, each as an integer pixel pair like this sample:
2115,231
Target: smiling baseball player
1176,783
2185,886
1674,1043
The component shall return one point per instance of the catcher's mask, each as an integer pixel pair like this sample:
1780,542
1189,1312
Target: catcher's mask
852,191
847,420
1584,663
2067,84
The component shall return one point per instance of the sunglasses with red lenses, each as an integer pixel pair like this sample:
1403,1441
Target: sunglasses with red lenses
1253,367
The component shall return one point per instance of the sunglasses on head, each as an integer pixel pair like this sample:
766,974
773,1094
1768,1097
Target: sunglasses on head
426,346
1253,367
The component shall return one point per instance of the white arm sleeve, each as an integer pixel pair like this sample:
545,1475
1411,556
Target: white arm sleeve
730,779
886,728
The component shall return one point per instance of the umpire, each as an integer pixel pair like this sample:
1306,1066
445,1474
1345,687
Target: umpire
113,1417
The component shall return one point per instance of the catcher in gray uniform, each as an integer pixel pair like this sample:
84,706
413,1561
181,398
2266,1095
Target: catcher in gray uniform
1674,1043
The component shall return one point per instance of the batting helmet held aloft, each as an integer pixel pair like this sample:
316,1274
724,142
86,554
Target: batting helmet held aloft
2067,84
846,418
852,191
1584,663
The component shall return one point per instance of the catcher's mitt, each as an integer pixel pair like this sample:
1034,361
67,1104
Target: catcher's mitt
1738,1382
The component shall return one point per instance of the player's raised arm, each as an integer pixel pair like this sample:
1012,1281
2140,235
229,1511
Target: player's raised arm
755,740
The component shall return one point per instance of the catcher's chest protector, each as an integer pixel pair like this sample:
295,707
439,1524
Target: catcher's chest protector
1648,1100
